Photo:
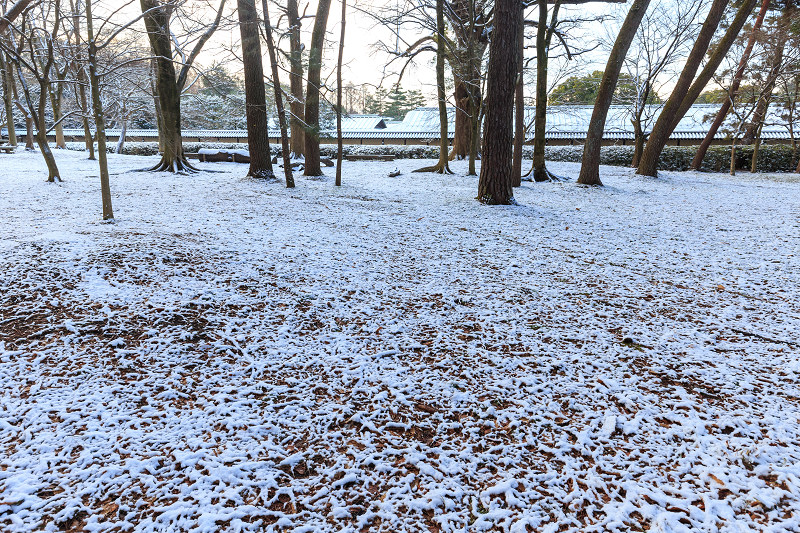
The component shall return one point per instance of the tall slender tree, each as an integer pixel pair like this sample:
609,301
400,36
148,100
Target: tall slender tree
519,102
442,166
733,91
296,100
276,86
590,167
313,88
339,143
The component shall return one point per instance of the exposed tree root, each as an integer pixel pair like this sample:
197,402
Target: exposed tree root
439,168
180,165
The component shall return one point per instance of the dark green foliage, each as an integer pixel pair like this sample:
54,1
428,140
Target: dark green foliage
772,157
395,103
582,90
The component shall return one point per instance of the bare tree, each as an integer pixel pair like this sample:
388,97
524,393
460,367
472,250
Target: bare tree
666,30
442,166
169,83
8,98
339,143
33,48
276,85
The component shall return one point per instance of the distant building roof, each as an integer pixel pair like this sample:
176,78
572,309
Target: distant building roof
566,122
572,122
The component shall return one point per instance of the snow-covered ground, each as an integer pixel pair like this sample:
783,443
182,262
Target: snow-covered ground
393,356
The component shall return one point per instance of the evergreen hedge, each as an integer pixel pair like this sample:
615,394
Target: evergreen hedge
771,158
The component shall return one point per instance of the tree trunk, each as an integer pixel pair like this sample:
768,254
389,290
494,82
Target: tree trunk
756,148
276,86
296,102
719,51
339,143
156,21
638,144
540,122
663,127
255,97
722,114
80,75
312,167
774,72
442,167
41,134
590,165
123,132
495,186
8,99
475,139
462,138
519,103
99,118
55,104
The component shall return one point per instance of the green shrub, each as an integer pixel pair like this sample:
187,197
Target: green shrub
771,157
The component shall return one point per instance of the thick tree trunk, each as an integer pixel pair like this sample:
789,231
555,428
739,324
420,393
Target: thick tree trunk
722,114
462,138
156,21
519,103
339,143
663,128
255,97
276,86
590,165
297,102
313,167
99,118
442,167
495,185
8,99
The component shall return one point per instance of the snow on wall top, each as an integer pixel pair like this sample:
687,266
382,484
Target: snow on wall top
563,122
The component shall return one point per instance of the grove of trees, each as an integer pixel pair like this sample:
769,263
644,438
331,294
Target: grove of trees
159,64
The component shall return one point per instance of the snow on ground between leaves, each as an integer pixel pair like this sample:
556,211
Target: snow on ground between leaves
232,355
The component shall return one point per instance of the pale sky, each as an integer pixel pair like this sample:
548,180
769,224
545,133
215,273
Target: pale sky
362,63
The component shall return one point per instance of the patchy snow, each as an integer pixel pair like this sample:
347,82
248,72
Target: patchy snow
393,356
